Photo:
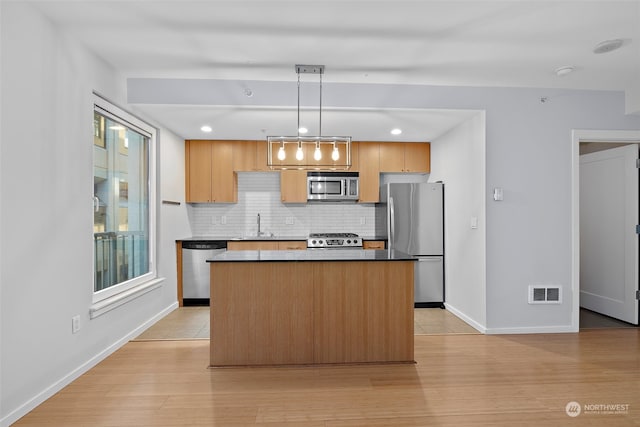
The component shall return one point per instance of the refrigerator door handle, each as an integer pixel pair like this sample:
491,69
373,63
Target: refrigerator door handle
392,221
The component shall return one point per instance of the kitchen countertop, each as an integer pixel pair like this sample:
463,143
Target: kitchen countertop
260,239
312,255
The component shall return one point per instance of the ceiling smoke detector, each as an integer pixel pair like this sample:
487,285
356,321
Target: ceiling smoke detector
608,46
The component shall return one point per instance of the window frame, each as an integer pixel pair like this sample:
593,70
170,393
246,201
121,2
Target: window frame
112,111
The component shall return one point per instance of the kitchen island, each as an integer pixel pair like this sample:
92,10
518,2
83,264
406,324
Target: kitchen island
311,307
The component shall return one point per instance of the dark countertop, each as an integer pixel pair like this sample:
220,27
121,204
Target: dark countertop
261,239
312,255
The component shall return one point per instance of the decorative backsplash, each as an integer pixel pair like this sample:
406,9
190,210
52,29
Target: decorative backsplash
259,193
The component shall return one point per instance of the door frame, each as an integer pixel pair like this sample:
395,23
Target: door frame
578,136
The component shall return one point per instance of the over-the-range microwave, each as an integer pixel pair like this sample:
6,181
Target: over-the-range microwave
333,186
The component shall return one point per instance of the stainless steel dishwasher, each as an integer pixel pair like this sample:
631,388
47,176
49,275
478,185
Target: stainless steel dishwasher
195,269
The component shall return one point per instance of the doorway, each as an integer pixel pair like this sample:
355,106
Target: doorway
602,213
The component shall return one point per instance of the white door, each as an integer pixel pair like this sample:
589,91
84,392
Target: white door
608,239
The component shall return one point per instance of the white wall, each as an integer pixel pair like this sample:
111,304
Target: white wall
457,159
46,220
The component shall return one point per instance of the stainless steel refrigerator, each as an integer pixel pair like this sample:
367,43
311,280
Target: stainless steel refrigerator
411,217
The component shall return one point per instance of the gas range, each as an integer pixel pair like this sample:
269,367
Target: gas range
334,241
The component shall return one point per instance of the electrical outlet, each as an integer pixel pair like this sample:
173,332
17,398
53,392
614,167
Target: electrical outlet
214,220
289,220
223,220
75,324
363,220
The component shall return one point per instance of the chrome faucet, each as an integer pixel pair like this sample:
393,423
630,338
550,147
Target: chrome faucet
259,232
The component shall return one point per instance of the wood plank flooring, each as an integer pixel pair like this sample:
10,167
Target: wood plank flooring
459,380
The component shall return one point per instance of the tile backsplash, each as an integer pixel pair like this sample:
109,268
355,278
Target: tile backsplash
259,193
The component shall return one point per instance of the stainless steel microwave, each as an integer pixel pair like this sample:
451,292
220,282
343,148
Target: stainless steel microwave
333,186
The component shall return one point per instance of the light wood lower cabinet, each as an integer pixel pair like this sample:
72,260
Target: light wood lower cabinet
266,245
373,244
279,313
261,314
363,312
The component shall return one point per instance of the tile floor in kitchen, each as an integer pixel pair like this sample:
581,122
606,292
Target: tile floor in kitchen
193,323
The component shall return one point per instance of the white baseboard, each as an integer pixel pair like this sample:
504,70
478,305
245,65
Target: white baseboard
560,329
465,318
31,404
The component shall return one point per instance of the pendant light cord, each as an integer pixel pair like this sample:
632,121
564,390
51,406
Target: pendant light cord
298,104
320,126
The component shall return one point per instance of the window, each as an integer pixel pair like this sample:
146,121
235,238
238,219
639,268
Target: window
123,200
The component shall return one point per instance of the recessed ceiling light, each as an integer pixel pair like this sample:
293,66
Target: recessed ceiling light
206,128
303,130
608,46
396,131
563,71
248,93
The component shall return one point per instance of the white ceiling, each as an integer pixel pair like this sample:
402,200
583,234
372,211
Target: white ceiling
453,43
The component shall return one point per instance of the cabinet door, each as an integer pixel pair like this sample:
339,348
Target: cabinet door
225,181
355,157
391,157
293,186
198,171
373,244
417,157
369,155
292,245
261,156
244,156
249,245
250,156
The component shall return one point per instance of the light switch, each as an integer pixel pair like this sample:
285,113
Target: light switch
498,194
474,222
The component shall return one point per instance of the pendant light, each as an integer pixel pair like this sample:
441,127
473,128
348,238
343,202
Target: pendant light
278,142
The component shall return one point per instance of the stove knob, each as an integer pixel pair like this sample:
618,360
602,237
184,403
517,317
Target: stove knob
320,241
313,242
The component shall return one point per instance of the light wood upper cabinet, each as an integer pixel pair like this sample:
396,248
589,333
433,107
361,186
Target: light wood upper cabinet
209,172
369,168
198,177
355,157
293,186
392,157
250,156
417,157
405,157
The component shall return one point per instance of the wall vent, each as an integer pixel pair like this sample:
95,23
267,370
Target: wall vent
545,294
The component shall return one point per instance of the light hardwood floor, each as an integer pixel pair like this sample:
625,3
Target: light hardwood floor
458,380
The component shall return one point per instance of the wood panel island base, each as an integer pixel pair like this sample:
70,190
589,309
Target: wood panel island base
306,307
